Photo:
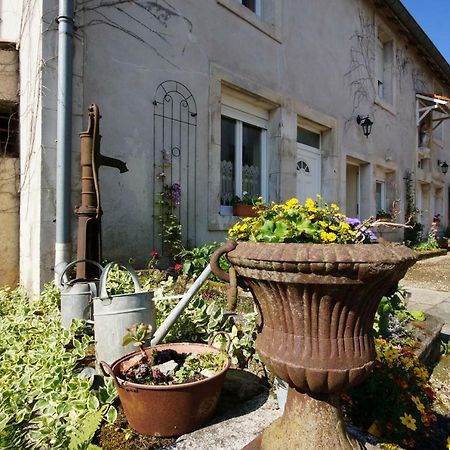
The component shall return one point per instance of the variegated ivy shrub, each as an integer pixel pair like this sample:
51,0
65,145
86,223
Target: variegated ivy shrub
44,402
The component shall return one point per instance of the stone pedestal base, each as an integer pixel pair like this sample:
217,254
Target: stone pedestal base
307,424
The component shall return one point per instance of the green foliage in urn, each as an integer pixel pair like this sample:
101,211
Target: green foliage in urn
312,222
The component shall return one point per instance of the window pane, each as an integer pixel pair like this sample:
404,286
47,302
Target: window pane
308,137
227,158
251,160
250,4
9,132
379,194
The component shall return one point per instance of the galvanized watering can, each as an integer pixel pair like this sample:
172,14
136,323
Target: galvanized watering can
76,295
113,314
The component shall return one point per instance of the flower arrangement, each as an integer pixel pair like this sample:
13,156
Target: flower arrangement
291,222
394,403
246,199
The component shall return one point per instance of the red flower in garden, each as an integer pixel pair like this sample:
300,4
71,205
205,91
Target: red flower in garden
154,254
177,267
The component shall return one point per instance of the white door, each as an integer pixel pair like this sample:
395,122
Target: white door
352,188
308,172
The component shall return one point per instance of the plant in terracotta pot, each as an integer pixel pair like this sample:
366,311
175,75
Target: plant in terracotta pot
168,389
383,215
245,206
316,278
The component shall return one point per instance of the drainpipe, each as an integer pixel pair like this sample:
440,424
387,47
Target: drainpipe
63,244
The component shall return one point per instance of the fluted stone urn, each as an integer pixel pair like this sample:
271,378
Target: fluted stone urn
317,304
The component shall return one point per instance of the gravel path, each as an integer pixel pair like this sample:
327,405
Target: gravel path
432,273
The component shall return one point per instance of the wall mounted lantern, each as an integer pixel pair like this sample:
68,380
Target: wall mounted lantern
443,165
366,124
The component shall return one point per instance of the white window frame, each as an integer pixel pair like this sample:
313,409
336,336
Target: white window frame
313,129
358,187
242,117
382,183
383,37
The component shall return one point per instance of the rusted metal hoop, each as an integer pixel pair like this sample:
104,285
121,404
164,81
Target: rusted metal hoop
215,266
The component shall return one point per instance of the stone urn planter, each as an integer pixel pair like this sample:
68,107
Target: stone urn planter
317,304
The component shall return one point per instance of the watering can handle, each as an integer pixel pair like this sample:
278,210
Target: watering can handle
104,277
215,267
63,278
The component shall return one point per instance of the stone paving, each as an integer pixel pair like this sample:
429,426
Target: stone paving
429,289
432,302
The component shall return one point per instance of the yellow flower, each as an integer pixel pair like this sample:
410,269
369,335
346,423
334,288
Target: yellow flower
448,443
292,202
309,203
419,405
409,421
323,224
407,362
335,207
327,237
391,354
421,373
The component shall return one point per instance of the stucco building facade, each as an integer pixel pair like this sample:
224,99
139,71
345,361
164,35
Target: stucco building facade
222,97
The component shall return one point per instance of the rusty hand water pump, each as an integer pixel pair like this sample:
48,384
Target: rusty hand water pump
77,294
89,212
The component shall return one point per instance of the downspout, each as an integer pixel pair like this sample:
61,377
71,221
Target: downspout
65,21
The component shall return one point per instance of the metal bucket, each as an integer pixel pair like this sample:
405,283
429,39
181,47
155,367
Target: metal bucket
76,295
114,314
169,410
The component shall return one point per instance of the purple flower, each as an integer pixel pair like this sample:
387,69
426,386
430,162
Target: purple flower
353,221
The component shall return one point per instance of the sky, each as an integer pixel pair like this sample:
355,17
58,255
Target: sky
434,18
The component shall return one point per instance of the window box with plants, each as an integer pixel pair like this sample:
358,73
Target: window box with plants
317,279
383,215
245,206
168,389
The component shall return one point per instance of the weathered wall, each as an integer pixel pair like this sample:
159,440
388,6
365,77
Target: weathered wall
313,60
9,166
317,62
9,221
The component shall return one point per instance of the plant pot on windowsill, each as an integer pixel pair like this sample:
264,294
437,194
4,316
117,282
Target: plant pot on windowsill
167,409
244,210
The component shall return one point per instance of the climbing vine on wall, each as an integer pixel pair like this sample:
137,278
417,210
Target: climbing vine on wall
169,200
362,60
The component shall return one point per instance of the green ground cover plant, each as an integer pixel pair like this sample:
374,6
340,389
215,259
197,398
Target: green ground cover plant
44,402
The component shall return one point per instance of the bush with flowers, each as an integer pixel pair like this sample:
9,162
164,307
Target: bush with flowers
312,222
395,401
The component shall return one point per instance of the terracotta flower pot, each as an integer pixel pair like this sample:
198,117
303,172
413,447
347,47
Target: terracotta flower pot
243,210
167,410
317,304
